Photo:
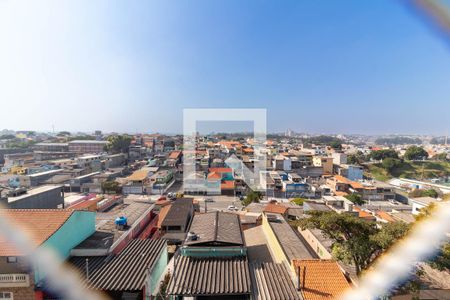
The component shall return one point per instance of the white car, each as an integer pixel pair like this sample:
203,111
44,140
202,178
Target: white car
232,207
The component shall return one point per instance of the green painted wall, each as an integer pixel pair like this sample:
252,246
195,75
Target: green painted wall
79,226
157,271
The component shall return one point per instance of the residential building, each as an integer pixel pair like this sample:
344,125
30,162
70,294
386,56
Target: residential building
51,147
339,158
175,223
87,146
134,273
43,197
325,162
56,229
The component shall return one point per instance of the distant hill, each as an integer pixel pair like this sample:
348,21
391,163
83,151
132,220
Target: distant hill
413,170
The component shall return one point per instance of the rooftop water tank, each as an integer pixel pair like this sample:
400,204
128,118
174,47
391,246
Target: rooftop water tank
121,221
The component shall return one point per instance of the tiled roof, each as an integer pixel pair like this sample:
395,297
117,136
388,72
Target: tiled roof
385,216
38,224
342,179
129,269
321,279
174,154
363,214
275,208
220,170
139,175
214,175
227,185
272,281
195,276
162,214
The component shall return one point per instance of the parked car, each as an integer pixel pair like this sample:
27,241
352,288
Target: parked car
232,207
209,200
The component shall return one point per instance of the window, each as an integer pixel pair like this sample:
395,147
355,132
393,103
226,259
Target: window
6,296
11,260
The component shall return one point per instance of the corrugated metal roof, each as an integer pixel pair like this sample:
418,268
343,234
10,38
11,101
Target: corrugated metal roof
179,213
216,228
271,281
195,276
84,263
128,270
292,244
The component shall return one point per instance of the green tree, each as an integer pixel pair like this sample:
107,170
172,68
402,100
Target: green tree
441,261
252,196
441,157
111,187
416,193
354,240
355,198
336,145
7,137
118,143
382,154
298,201
415,153
390,164
357,158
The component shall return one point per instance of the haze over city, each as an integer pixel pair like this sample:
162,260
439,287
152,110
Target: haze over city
341,67
224,149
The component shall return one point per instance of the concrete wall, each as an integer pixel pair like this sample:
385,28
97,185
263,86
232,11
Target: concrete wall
315,244
45,200
272,241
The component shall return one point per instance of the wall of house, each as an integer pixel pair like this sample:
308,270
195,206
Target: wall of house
152,284
18,267
315,244
44,200
275,247
355,173
19,290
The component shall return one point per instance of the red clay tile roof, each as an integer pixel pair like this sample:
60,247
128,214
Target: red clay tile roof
85,204
340,193
385,216
362,213
323,279
342,179
38,224
174,154
227,185
214,175
162,214
220,170
275,208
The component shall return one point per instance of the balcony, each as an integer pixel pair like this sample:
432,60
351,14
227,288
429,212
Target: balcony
14,280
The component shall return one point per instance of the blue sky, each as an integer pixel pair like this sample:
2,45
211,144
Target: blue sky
132,66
